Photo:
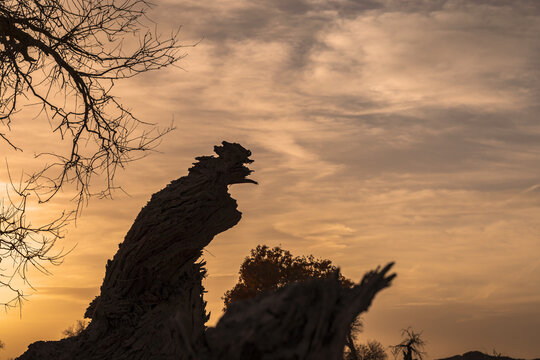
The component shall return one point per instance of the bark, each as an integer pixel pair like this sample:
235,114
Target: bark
151,303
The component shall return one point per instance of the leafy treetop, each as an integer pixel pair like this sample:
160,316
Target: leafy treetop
268,269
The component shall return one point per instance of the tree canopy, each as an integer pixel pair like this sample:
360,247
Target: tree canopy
268,269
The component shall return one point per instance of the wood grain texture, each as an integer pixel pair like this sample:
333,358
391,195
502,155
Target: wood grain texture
151,303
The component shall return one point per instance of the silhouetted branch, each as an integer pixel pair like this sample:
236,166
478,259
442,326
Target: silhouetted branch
64,56
67,54
411,346
23,245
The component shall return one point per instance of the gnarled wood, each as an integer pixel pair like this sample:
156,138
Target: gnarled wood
151,304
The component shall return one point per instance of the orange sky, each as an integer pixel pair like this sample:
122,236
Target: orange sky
381,130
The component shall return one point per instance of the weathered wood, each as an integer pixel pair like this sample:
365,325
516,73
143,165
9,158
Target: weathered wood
151,304
306,320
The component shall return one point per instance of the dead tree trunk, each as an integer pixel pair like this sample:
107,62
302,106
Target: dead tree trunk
151,304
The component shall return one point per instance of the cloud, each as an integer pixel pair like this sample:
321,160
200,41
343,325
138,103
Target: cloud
381,130
424,87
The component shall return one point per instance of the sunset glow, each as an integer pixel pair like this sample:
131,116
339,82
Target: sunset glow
382,130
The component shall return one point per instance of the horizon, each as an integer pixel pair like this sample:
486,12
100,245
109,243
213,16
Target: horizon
380,130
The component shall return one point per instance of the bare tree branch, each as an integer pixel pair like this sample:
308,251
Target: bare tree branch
67,55
24,245
64,56
411,347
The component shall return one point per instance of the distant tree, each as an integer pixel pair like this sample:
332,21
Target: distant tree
372,350
1,344
76,329
267,270
411,347
64,57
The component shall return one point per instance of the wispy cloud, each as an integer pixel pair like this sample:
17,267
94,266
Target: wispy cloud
381,130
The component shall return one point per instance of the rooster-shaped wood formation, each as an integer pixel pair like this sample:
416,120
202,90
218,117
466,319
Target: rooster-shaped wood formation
151,304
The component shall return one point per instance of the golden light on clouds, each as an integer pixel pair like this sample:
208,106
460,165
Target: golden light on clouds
381,130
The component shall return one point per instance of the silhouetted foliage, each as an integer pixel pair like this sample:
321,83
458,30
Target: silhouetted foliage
76,329
372,350
268,269
411,347
64,56
2,344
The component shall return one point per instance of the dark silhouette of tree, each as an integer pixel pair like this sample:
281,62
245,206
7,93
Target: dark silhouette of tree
75,330
268,269
1,344
411,347
62,58
372,350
